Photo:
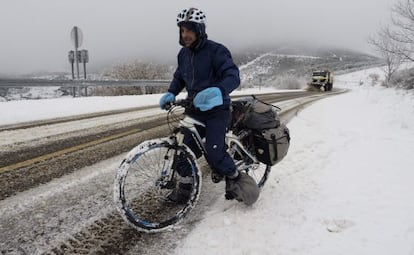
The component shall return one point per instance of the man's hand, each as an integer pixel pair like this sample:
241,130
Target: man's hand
166,98
208,98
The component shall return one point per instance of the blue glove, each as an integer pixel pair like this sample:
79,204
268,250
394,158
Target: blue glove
208,98
166,98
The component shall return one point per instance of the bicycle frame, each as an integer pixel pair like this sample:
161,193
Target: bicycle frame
234,145
189,124
232,141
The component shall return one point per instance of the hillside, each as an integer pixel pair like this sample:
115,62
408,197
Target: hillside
290,68
278,67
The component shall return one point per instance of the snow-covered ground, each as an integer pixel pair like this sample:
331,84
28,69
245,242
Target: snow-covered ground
345,186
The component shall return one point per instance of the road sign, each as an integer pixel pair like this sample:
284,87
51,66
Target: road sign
77,56
71,56
84,56
76,37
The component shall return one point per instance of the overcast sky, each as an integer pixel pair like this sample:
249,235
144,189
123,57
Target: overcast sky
35,35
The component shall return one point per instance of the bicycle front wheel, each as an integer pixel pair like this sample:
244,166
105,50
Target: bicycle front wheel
144,180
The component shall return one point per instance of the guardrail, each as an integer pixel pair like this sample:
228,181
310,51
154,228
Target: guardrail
75,85
13,83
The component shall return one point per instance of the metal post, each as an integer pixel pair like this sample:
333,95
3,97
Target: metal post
71,57
73,71
84,70
77,63
260,83
76,51
84,56
77,37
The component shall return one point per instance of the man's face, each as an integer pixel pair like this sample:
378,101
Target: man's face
188,36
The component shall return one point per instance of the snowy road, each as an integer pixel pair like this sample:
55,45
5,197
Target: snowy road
71,213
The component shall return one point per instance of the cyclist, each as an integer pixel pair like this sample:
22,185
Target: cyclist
206,70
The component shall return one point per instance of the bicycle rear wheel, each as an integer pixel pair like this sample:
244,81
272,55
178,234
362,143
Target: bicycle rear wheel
144,180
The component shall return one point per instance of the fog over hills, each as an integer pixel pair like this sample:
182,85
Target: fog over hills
270,66
324,57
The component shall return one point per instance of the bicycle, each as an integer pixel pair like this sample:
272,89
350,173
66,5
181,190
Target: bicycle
148,173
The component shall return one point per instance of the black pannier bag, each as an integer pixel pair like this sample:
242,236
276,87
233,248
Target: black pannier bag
254,114
271,145
271,138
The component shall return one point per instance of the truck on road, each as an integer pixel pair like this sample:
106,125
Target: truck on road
323,79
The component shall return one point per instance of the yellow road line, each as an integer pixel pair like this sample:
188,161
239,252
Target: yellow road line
65,151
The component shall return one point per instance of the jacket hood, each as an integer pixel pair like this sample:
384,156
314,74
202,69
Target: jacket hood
199,29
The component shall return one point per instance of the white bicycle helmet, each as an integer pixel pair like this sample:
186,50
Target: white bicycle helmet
191,14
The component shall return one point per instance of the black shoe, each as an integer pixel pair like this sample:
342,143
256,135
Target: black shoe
182,194
242,188
216,177
230,181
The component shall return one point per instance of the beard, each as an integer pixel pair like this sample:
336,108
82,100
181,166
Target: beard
188,41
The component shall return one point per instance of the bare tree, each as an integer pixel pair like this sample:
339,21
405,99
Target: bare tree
139,70
388,49
402,32
396,43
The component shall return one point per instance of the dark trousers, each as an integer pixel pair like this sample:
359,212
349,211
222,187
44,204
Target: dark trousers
216,121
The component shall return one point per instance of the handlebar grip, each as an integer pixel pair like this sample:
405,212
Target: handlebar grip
168,106
186,103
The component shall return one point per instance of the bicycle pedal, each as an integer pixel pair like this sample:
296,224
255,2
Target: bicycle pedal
169,185
179,196
166,184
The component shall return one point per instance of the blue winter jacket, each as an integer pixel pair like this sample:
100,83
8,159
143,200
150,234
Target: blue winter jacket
209,66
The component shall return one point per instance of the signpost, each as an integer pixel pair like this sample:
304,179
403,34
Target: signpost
71,57
77,56
76,38
84,57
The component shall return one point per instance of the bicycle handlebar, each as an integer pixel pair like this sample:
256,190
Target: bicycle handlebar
185,103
